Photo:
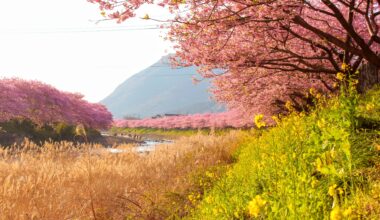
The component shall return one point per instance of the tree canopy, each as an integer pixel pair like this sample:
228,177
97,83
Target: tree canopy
268,48
43,104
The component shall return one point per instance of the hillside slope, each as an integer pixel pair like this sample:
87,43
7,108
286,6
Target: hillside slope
160,89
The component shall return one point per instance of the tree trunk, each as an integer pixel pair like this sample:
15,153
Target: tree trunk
369,75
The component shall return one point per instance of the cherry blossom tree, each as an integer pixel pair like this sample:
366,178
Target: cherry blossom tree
43,104
308,36
208,120
270,50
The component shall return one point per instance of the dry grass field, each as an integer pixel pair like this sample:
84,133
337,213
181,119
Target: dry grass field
64,181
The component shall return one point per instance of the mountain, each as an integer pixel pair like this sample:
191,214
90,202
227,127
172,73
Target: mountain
161,89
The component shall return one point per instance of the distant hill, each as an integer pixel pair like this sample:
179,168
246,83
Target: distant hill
160,89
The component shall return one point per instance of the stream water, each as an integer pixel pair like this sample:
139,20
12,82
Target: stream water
145,147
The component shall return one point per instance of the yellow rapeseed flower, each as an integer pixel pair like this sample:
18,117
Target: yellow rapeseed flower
289,106
208,199
345,66
336,214
276,119
314,183
312,91
370,106
319,164
236,214
193,198
347,212
321,123
210,174
255,206
215,211
332,190
340,76
340,191
259,121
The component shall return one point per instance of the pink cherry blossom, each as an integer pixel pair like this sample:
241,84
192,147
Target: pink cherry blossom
234,119
43,104
270,51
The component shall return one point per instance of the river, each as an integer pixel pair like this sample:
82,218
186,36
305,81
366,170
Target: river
144,147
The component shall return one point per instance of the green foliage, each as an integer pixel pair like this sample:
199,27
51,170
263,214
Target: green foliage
64,130
22,128
317,166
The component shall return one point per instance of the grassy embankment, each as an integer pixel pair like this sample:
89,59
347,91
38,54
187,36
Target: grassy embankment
169,133
322,165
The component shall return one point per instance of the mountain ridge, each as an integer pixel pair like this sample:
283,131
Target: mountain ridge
161,89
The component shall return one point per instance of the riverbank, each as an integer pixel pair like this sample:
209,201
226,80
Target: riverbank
9,139
320,165
156,133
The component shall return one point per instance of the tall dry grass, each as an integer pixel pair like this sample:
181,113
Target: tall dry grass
64,181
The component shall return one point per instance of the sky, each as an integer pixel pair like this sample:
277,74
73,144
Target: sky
60,42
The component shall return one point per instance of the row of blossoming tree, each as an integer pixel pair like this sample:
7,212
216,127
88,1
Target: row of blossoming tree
272,52
43,104
234,119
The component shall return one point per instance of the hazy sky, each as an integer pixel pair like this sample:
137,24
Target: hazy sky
58,42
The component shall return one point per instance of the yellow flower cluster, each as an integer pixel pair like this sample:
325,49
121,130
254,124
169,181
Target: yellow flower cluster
370,106
209,199
289,106
259,121
276,119
338,213
345,67
314,182
194,197
210,174
340,76
332,190
255,206
312,91
321,123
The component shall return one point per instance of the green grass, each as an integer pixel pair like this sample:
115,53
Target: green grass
323,165
171,133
